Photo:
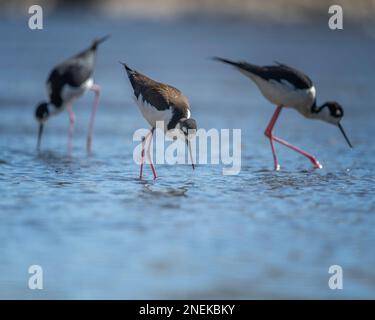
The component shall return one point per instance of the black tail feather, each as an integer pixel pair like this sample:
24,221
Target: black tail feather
99,41
233,63
131,74
126,67
244,66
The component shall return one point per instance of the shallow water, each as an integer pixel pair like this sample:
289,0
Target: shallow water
100,232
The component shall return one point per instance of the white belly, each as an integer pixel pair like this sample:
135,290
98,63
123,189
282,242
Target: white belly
286,95
151,114
68,93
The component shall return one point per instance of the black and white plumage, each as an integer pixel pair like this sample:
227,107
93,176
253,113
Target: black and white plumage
281,85
161,102
68,81
158,101
288,87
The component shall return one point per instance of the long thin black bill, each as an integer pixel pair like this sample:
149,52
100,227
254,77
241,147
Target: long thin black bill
191,154
345,136
40,132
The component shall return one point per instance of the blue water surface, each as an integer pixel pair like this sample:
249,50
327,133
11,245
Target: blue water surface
100,232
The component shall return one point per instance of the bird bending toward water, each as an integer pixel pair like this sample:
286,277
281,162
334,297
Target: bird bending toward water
68,81
161,102
285,86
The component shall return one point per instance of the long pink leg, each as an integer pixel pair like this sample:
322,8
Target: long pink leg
268,133
149,154
309,156
97,90
72,119
143,153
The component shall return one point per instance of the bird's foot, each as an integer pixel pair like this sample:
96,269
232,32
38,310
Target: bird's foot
316,164
277,167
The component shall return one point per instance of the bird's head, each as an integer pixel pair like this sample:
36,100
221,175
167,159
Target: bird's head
189,129
41,114
332,112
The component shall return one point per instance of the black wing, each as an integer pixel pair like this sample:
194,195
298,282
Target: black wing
278,73
73,72
153,92
292,75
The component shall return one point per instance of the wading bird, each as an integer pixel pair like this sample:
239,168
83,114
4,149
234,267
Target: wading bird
285,86
68,81
160,102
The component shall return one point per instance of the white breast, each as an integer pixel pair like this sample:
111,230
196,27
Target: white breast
69,93
151,114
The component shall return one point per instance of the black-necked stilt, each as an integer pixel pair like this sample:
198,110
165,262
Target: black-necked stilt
161,102
287,87
66,82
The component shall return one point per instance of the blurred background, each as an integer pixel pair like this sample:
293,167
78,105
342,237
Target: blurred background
288,11
100,232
